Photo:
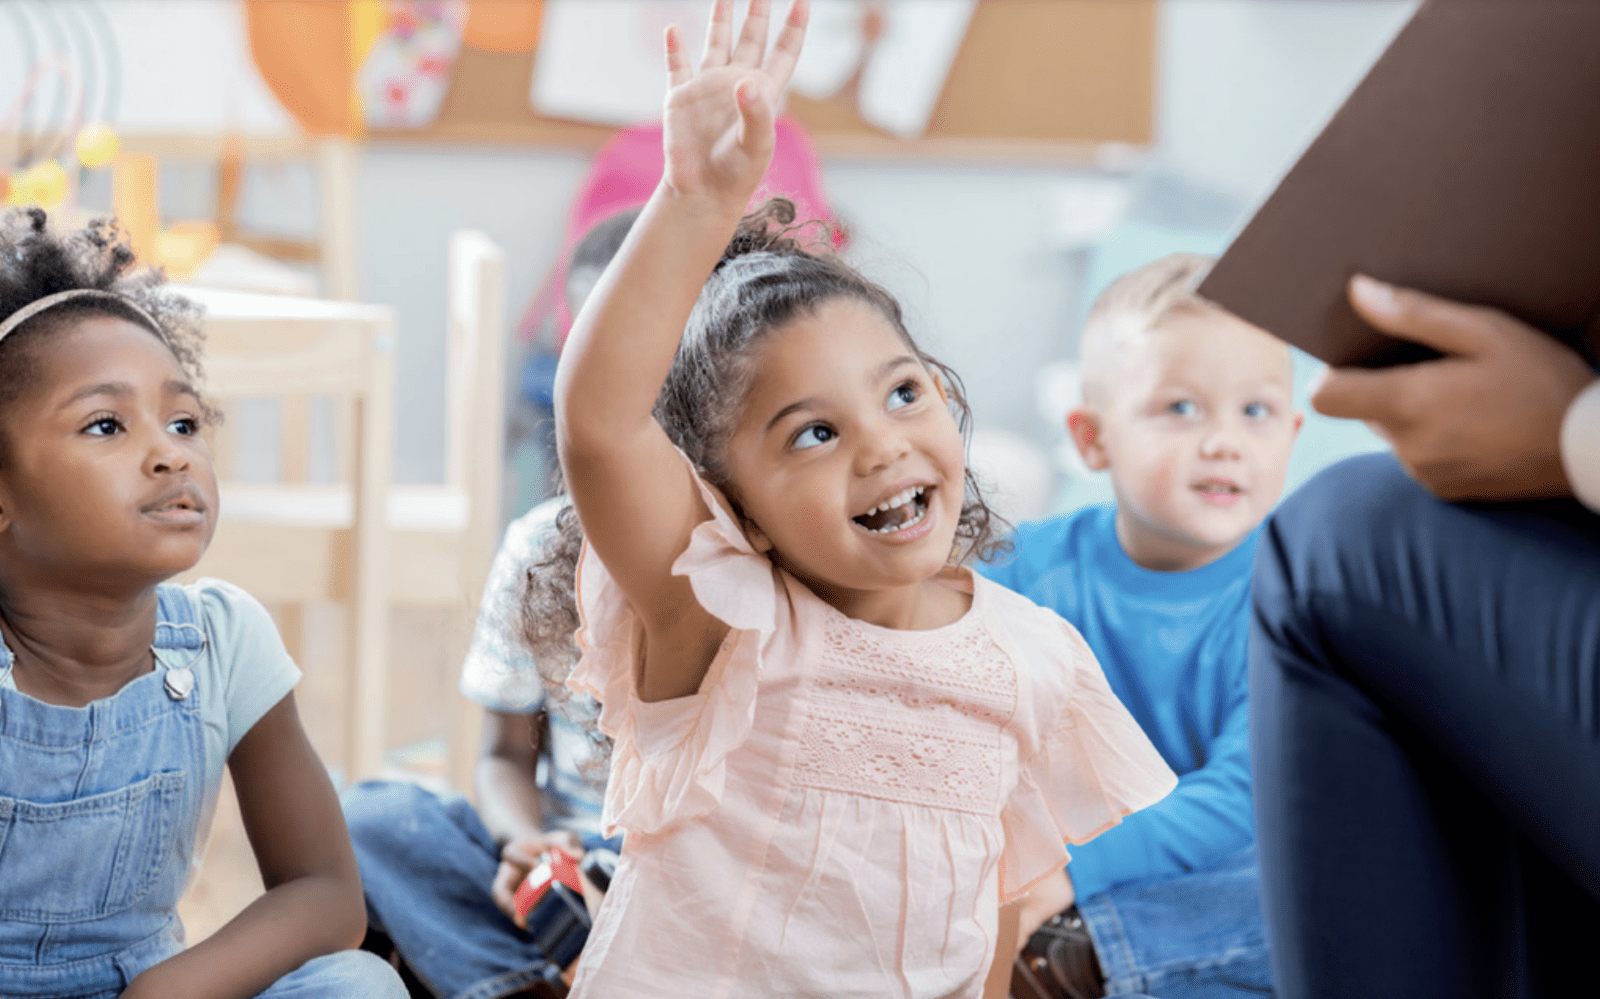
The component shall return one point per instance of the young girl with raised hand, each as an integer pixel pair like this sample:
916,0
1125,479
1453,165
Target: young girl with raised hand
836,751
121,696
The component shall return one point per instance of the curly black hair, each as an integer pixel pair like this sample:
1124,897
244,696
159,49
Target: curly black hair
37,260
766,278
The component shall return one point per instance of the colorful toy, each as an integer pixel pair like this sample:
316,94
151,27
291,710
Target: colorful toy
550,900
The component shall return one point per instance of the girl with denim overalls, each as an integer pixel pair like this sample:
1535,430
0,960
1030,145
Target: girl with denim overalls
122,696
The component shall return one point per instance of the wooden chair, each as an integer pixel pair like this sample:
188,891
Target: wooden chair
288,551
438,539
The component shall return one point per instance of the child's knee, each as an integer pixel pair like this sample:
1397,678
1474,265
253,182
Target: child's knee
345,974
378,810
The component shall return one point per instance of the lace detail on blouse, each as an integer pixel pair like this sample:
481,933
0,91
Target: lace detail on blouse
912,717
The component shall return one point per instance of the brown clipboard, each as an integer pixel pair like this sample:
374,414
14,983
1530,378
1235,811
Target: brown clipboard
1466,163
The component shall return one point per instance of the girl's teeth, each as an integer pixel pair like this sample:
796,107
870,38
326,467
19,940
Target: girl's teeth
900,500
916,519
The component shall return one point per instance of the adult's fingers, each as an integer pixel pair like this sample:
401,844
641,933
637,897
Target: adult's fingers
1446,326
678,69
719,35
785,52
752,43
1377,396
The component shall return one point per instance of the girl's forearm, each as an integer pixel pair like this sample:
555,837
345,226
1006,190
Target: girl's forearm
282,929
622,343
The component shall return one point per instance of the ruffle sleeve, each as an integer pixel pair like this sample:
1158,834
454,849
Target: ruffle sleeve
1093,763
669,758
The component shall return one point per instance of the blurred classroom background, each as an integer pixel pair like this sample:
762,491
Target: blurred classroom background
993,163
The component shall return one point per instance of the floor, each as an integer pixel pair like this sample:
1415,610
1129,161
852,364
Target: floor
422,679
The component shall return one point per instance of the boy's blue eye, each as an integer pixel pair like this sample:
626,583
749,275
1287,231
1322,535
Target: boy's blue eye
816,433
105,426
903,395
1257,410
187,426
1183,407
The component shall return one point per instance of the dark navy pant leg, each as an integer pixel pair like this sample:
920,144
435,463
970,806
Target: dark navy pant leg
1425,737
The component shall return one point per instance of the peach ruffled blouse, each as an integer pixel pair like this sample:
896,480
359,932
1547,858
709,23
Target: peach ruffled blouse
840,807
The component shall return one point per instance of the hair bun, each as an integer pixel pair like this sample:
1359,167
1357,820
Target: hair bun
766,230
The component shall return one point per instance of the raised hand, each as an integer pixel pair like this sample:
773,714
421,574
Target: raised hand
718,123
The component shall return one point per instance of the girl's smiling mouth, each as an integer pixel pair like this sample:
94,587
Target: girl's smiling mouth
900,512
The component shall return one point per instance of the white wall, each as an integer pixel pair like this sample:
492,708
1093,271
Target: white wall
1246,84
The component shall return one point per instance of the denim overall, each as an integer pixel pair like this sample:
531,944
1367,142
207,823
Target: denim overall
99,809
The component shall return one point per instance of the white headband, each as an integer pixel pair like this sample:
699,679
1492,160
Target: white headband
37,306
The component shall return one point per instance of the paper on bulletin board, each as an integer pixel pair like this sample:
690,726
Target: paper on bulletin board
906,67
403,78
601,60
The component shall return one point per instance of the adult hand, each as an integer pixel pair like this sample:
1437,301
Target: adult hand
718,123
520,856
1483,422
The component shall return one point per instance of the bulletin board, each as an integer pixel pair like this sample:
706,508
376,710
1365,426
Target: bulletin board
1033,80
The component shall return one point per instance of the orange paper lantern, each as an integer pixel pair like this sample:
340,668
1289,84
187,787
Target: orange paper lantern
303,50
502,25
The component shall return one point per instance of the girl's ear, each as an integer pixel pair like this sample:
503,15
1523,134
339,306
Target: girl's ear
1084,426
938,384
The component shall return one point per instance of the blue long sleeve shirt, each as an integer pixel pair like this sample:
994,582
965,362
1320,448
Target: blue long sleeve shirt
1172,645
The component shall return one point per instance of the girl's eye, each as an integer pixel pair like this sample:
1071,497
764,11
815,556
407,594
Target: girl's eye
104,426
903,395
1257,410
1183,407
186,426
817,433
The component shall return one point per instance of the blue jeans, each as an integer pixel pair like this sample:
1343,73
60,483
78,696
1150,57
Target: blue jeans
1193,937
347,974
1425,731
427,864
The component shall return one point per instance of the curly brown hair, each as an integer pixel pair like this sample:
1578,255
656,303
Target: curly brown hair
37,260
767,277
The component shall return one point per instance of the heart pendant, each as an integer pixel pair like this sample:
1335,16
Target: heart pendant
179,682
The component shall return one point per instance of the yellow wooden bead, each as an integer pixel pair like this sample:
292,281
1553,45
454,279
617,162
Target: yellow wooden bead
97,144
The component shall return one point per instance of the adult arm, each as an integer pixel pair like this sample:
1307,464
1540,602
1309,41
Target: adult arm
1483,422
312,904
1205,820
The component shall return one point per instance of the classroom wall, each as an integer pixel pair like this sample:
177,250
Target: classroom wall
972,250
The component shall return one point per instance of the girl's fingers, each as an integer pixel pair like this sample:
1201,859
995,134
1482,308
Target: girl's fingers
785,53
753,39
755,113
719,35
678,69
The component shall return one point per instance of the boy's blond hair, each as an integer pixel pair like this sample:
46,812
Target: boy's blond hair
1134,304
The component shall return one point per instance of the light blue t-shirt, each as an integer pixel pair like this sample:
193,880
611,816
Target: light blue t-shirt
1172,645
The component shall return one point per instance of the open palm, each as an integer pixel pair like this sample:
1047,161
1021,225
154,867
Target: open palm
718,123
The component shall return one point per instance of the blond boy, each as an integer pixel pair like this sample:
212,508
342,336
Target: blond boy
1191,412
